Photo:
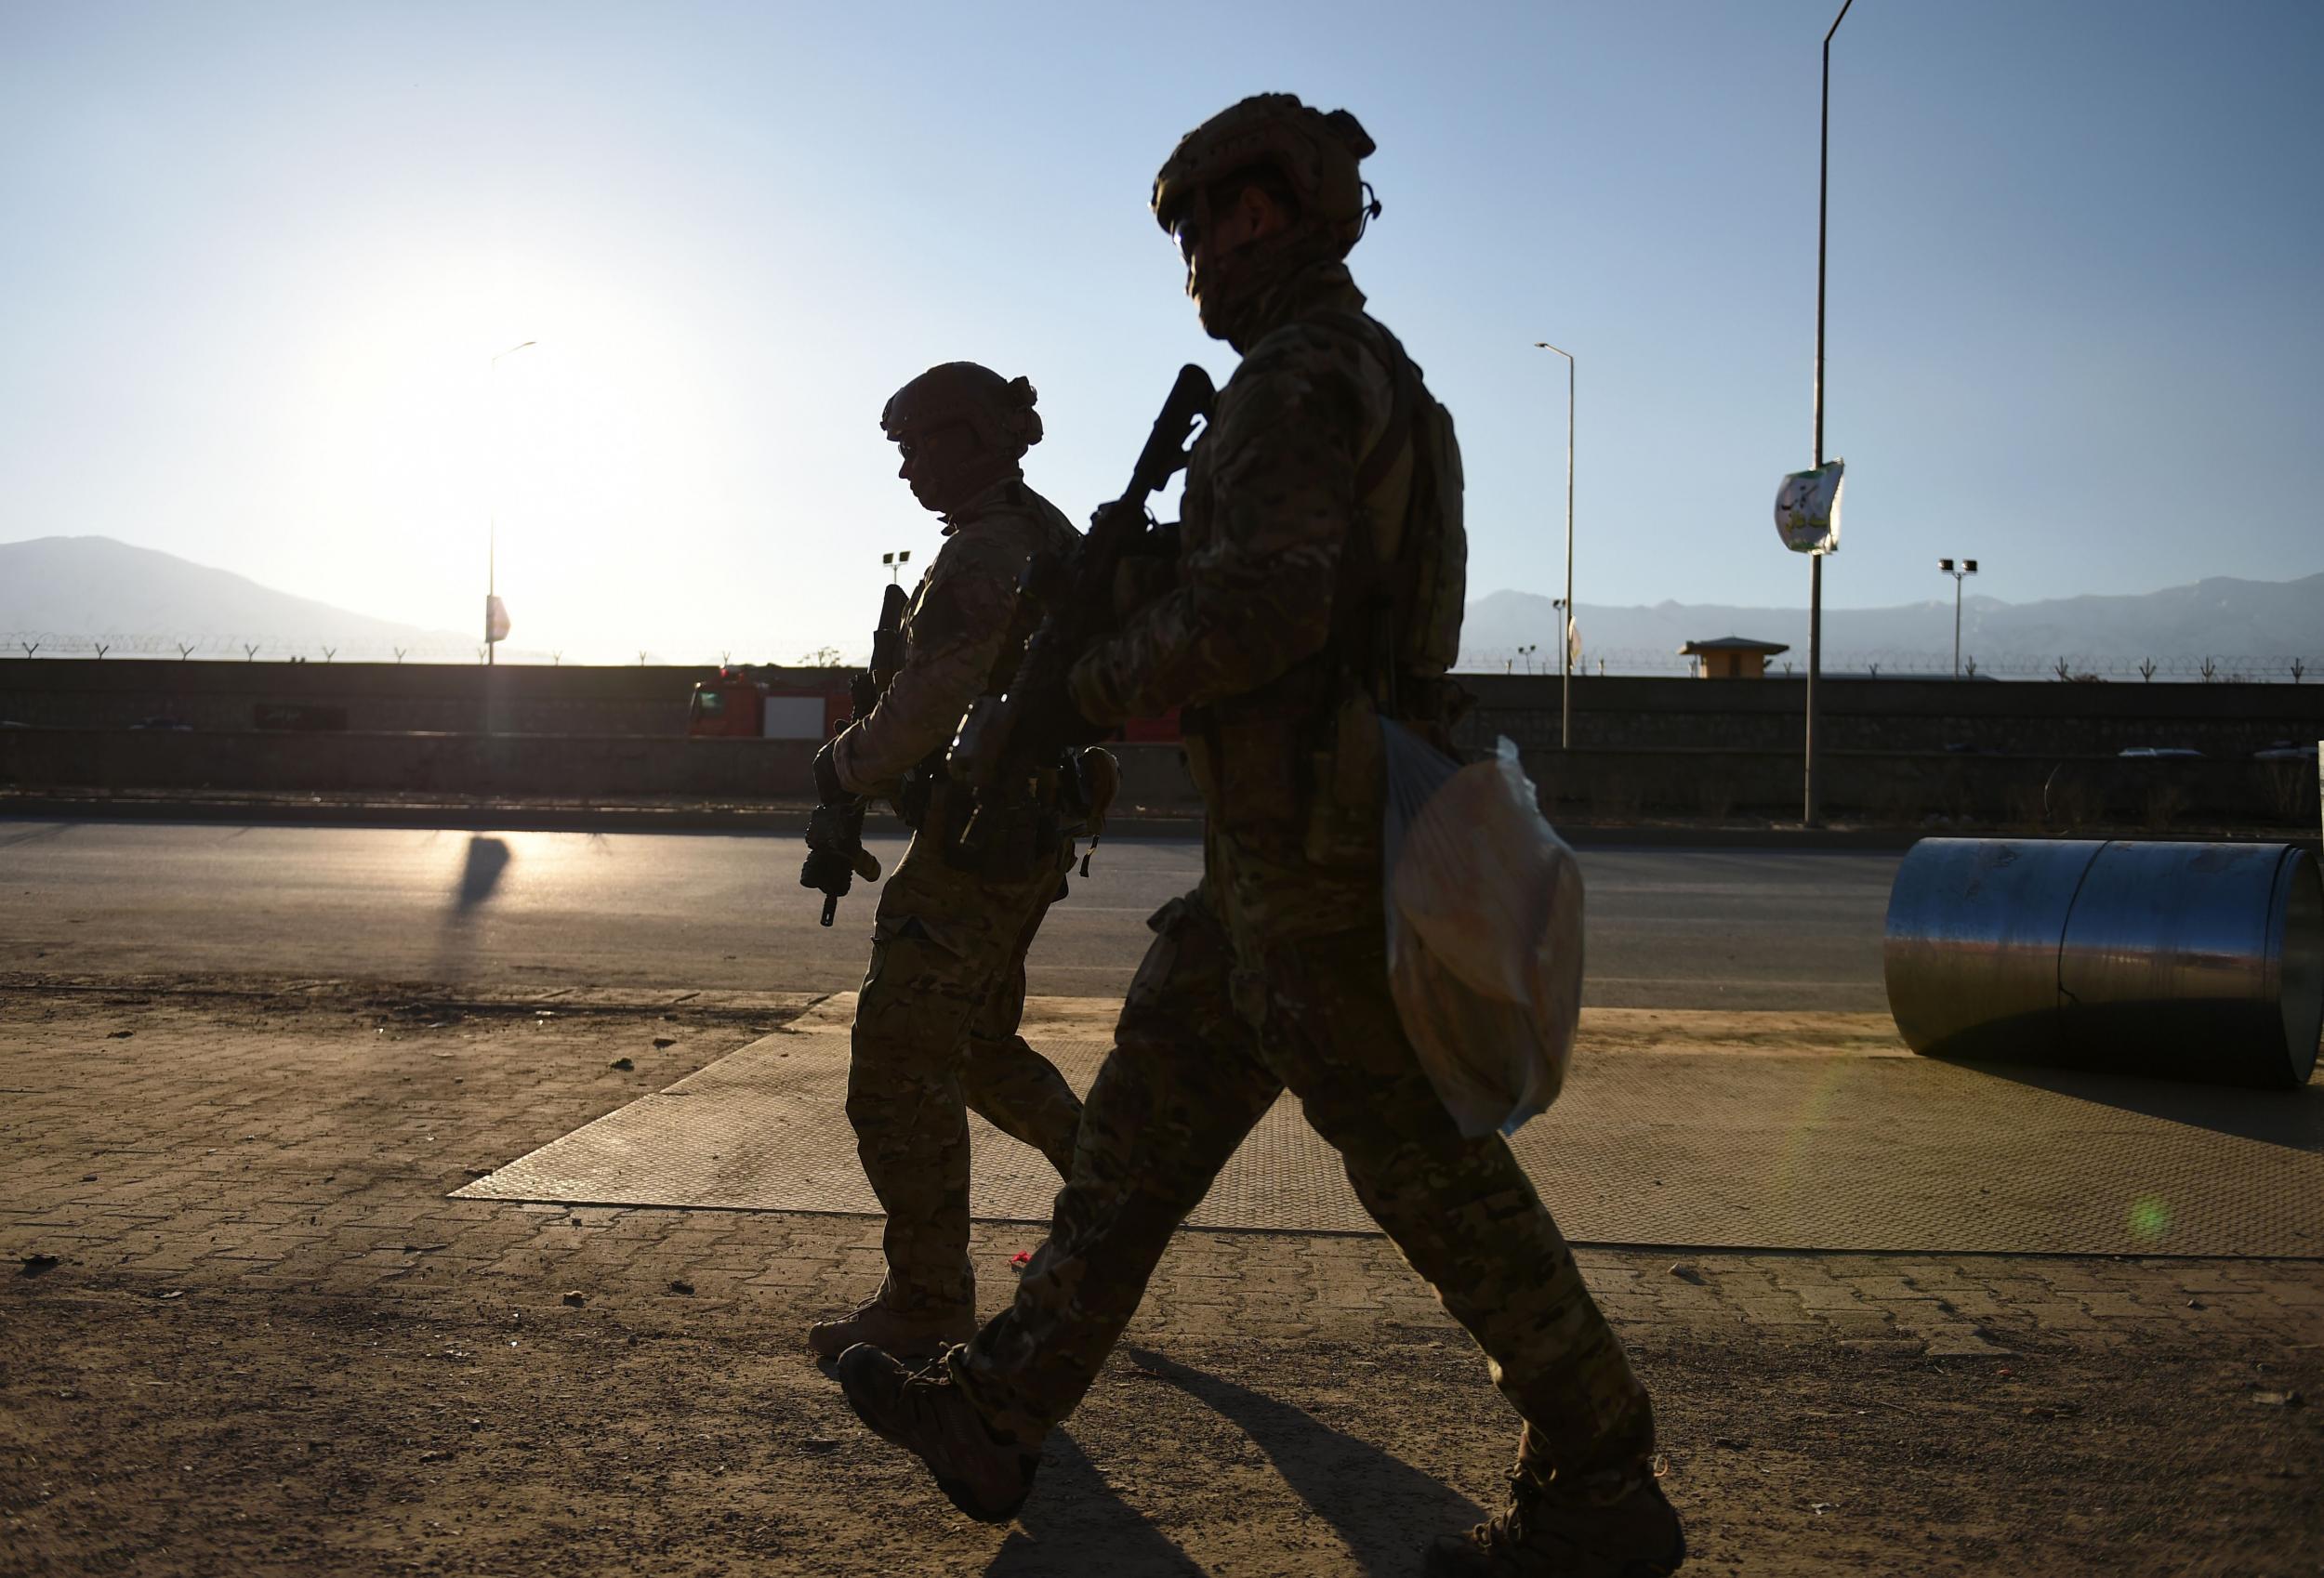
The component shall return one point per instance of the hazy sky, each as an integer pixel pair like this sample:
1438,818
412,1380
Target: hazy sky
256,260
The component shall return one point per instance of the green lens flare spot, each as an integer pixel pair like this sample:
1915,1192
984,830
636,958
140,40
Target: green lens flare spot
2150,1217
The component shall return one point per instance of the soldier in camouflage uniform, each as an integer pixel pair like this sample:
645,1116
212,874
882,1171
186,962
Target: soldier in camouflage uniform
936,1021
1318,589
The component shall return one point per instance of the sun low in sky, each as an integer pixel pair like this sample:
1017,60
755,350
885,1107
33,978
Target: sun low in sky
260,257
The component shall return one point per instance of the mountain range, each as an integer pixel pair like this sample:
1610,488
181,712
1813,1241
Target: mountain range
67,593
2250,627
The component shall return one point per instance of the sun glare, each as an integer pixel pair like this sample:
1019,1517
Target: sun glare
573,453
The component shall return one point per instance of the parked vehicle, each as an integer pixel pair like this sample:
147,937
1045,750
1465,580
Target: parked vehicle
737,703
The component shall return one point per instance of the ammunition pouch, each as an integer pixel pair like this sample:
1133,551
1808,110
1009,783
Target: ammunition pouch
922,785
1010,837
1009,842
1088,781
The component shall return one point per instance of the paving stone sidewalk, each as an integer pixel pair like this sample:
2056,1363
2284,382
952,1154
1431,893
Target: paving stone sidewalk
260,1144
309,1137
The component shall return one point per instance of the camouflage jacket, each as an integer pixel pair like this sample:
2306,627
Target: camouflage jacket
1270,500
963,634
1281,721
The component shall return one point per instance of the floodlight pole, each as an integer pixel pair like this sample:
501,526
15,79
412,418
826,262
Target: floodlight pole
1565,637
492,531
1812,811
1968,567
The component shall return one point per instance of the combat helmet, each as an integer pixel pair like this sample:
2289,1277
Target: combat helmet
1000,410
1314,152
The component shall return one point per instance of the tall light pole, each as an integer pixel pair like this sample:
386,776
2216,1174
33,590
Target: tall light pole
492,531
1968,567
1565,637
1813,811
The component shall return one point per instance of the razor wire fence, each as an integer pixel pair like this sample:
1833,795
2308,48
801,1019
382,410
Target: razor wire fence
230,648
239,648
1904,663
1897,662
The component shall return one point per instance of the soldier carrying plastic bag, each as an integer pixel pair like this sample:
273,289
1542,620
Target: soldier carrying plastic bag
1484,931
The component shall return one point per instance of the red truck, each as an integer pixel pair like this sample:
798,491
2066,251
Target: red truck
737,703
814,705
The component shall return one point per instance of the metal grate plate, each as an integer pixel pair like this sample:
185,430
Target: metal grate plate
1853,1150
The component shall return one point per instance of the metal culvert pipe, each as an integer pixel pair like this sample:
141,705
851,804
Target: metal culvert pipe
2186,961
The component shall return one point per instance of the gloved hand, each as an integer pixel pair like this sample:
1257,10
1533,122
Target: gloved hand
834,845
828,831
826,868
828,872
829,791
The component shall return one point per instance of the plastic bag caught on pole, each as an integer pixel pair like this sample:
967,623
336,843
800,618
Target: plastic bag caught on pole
1484,931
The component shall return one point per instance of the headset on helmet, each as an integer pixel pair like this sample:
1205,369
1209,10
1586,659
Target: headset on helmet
1315,153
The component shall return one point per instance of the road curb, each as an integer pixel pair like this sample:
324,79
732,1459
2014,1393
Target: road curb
522,816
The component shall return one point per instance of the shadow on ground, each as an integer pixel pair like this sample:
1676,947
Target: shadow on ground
1381,1507
1073,1511
2293,1118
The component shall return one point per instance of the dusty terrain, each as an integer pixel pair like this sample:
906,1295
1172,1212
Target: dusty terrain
242,1330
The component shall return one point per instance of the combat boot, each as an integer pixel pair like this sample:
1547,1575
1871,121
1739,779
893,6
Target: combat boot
917,1335
984,1473
1550,1533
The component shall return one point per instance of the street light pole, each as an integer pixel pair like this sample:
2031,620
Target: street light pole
1968,567
1565,636
492,531
1813,812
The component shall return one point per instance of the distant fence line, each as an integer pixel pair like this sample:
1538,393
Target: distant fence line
2240,669
248,648
276,648
2223,668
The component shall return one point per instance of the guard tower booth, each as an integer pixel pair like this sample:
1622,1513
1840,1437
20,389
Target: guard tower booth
1732,657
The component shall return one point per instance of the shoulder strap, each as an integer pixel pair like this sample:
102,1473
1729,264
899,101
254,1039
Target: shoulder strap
1364,637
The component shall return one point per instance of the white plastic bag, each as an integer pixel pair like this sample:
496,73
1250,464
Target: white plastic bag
1484,931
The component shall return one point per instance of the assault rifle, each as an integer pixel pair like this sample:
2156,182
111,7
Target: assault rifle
1077,592
835,834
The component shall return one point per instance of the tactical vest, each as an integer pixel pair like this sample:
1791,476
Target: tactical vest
1025,617
1395,618
1298,758
1014,838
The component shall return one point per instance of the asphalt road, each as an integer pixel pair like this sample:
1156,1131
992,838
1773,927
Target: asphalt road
1666,928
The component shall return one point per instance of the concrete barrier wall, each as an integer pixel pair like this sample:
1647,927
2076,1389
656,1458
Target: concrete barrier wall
2055,791
1615,712
1895,716
370,697
1899,788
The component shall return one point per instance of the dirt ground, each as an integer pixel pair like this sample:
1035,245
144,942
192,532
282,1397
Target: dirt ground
243,1331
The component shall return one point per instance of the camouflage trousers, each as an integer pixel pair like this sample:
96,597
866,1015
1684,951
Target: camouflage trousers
1219,1020
935,1035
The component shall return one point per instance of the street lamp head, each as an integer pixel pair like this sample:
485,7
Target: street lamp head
1944,566
1969,566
